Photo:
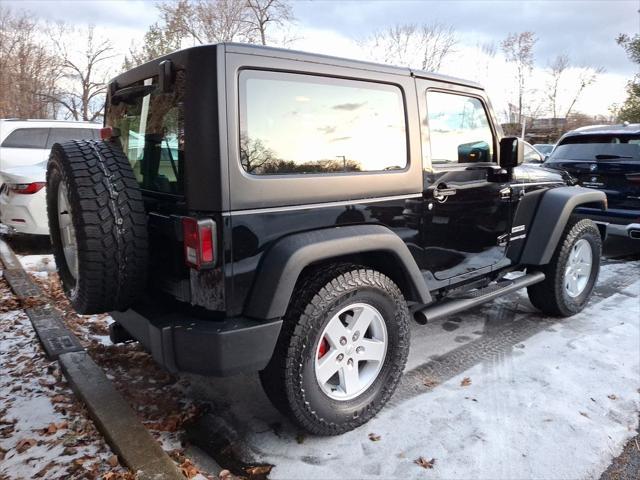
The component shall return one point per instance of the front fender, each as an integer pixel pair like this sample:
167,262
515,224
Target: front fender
284,261
552,215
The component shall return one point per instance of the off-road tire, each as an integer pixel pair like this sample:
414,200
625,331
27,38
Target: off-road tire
549,296
108,216
289,378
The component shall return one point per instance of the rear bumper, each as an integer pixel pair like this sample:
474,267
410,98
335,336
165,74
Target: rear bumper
629,231
25,213
208,347
618,222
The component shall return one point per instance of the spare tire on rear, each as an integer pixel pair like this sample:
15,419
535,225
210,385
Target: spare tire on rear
97,225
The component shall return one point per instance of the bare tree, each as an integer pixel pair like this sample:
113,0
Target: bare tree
423,46
85,79
28,69
557,69
518,50
157,41
207,21
264,12
586,78
254,155
560,71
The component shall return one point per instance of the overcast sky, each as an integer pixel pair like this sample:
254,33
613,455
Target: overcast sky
583,29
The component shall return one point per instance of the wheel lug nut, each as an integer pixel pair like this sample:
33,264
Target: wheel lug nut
343,340
350,362
359,349
356,336
340,357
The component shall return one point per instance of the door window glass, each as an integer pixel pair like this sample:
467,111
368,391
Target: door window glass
301,124
459,130
27,138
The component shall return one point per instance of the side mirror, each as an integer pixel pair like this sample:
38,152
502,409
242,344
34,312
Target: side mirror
511,152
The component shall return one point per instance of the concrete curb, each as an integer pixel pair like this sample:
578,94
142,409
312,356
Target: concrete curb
116,420
112,415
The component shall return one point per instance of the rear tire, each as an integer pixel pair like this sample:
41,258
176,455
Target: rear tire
96,213
292,379
560,295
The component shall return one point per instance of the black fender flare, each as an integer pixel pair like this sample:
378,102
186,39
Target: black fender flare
552,215
282,264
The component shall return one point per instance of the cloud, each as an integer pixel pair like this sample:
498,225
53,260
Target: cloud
349,107
585,30
339,139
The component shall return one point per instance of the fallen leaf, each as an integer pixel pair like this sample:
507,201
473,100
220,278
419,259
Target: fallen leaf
113,461
466,381
429,382
224,474
259,470
374,438
612,397
424,463
25,444
51,429
584,414
188,469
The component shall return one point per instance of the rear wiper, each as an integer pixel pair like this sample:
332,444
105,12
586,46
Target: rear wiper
128,94
609,156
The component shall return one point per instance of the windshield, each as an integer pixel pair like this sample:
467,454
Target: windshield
151,126
598,148
543,148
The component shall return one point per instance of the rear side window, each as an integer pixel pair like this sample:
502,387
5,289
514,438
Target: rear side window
151,126
60,135
459,129
304,124
27,138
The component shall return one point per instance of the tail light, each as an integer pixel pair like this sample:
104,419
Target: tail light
199,242
26,188
633,178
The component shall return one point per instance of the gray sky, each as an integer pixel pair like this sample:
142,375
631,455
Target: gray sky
584,29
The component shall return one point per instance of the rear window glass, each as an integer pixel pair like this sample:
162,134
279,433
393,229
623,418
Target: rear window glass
596,151
59,135
303,124
598,147
151,126
27,138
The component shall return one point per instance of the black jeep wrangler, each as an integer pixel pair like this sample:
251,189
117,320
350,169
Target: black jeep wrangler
258,209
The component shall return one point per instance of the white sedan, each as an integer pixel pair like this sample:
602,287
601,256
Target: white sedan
23,200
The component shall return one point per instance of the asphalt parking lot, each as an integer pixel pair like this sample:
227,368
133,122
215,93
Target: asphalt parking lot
498,392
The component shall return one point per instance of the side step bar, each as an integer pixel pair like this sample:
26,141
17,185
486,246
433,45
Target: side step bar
446,308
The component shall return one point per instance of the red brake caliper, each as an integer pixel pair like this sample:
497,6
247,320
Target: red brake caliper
323,348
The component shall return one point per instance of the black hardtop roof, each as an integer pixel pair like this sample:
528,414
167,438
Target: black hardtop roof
180,58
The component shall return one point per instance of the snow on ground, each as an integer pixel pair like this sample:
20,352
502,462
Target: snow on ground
44,431
38,265
561,404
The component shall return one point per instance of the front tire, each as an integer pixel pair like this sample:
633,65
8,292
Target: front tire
572,272
342,350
